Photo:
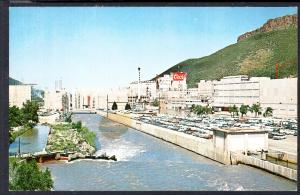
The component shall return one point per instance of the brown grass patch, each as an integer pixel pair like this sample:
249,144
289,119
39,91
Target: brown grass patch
254,61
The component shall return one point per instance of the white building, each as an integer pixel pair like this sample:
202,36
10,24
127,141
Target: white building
205,89
169,82
97,99
240,140
56,100
279,94
164,83
236,90
173,92
19,94
147,92
173,100
118,95
82,99
178,85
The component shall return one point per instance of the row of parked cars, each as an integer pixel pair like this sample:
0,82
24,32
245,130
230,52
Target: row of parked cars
203,126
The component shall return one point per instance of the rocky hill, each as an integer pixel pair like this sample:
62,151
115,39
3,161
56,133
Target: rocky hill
255,54
273,24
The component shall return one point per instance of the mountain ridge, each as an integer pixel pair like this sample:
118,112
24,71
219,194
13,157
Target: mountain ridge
272,24
255,55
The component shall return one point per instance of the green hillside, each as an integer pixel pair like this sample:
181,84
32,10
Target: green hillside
14,82
254,56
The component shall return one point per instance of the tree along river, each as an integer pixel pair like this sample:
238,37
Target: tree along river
147,163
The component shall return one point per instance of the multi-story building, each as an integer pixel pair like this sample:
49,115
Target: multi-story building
236,90
97,99
19,94
193,97
89,99
279,94
173,92
147,92
170,83
56,100
205,89
164,83
174,100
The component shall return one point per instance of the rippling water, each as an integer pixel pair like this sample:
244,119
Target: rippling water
147,163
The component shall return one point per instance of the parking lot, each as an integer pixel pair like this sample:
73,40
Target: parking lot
286,145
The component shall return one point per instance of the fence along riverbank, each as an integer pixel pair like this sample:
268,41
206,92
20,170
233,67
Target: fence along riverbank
204,147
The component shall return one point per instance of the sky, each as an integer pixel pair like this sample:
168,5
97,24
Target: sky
102,47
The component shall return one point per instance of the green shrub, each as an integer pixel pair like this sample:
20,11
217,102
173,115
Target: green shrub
26,176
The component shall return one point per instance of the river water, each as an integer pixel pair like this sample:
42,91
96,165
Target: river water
31,141
148,163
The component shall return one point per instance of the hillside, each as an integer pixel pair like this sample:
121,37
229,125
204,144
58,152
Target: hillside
14,82
254,55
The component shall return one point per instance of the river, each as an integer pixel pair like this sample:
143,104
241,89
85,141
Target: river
33,140
148,163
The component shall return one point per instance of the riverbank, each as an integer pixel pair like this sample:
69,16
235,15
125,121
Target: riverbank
142,157
18,132
204,147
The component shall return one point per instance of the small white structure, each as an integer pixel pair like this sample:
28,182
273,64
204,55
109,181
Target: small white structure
240,140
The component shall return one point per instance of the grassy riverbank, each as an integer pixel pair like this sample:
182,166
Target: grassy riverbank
17,133
71,137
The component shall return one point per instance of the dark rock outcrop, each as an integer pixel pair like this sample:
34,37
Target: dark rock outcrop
272,24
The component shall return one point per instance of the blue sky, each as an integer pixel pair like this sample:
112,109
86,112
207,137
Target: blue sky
102,47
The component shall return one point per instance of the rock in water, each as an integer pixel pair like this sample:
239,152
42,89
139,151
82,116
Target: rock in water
113,157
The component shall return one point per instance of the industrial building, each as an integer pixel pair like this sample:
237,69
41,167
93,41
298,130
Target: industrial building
147,92
279,94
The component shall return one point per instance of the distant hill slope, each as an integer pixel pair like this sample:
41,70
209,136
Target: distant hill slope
36,94
14,82
254,55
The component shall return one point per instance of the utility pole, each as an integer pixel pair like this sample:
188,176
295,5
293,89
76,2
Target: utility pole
139,83
107,106
19,149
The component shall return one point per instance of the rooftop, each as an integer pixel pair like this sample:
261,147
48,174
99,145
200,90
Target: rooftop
233,130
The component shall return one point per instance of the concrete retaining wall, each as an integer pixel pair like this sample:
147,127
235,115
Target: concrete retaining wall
198,145
284,156
265,165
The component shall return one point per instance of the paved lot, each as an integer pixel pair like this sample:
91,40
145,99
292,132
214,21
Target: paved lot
289,144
